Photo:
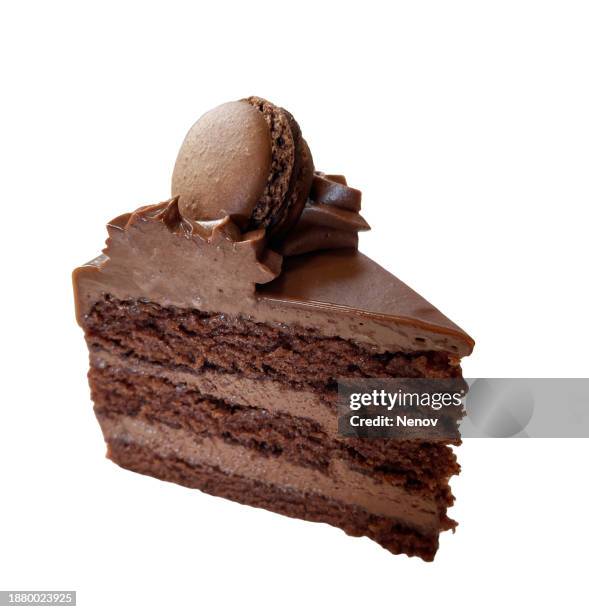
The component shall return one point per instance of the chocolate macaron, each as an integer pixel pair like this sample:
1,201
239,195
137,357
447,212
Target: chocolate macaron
246,160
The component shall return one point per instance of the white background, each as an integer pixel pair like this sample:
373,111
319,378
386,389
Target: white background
466,124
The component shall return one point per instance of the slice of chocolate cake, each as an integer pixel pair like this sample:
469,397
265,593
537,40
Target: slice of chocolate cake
219,322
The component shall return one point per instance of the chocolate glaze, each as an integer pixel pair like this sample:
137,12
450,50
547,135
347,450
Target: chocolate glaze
155,254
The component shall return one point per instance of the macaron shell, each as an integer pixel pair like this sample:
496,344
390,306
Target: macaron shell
298,192
271,207
223,164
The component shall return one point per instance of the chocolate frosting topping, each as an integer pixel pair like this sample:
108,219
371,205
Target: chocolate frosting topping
330,219
247,160
155,252
199,249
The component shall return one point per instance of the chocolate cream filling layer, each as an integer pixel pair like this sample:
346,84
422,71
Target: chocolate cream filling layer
341,483
341,292
236,389
196,403
233,389
197,340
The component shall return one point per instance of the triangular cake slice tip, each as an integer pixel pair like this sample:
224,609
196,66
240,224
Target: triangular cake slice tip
351,282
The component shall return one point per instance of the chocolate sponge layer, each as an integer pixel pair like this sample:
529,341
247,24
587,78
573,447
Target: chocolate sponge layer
146,361
393,536
415,465
180,337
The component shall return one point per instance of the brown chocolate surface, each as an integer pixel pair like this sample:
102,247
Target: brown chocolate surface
153,255
353,283
246,163
218,323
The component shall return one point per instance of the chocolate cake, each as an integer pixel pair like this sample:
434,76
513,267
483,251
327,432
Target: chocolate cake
219,322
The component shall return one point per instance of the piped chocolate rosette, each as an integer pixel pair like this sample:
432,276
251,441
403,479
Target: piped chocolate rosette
330,219
246,162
